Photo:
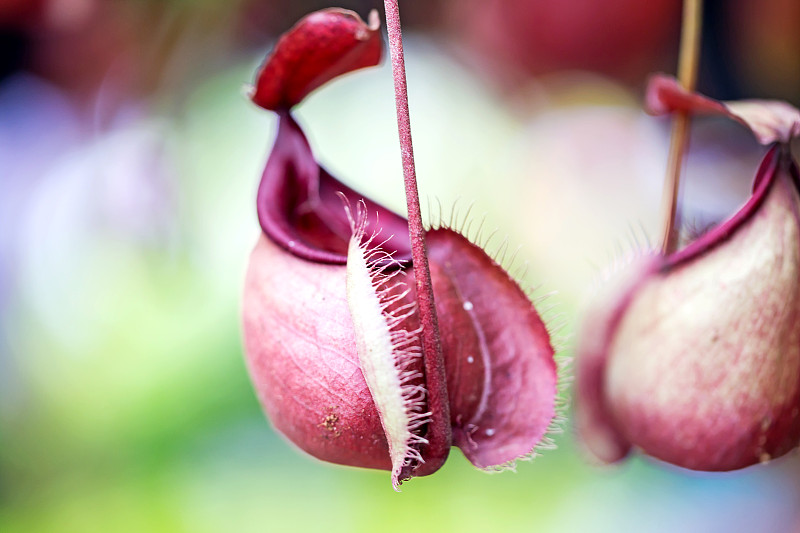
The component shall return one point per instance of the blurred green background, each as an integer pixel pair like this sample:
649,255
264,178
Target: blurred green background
129,160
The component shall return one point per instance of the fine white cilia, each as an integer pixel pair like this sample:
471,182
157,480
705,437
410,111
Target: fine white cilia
388,353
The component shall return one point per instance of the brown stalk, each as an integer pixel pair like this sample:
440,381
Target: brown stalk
679,141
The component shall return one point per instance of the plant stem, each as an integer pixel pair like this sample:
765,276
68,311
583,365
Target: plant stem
438,433
679,142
